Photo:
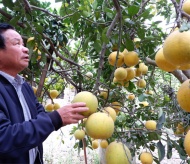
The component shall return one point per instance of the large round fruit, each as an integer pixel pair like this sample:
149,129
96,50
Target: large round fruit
95,144
53,93
130,74
146,158
176,48
186,6
162,63
183,95
116,106
90,100
110,111
120,73
143,68
112,59
141,83
187,143
99,126
131,58
79,134
184,67
117,153
104,144
49,107
150,125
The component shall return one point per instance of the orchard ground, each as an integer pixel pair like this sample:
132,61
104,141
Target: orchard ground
58,147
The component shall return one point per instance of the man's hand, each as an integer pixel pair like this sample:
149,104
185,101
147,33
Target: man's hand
71,113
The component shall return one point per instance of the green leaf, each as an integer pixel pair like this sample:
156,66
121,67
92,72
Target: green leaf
131,86
104,37
129,44
161,150
39,28
169,148
94,4
8,3
141,97
180,150
132,10
161,121
14,20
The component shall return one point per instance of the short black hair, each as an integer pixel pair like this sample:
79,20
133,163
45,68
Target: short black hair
3,28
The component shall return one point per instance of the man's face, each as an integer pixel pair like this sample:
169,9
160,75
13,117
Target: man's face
14,58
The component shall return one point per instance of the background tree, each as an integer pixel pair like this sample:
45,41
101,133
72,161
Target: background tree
67,42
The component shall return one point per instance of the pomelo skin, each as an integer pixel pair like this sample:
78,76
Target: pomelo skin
90,100
99,125
117,153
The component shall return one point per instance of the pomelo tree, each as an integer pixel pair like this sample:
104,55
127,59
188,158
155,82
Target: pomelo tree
77,37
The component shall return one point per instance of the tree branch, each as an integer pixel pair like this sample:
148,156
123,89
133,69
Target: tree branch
9,17
108,34
54,15
177,73
187,73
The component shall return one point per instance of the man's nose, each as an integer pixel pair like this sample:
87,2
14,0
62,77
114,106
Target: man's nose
25,49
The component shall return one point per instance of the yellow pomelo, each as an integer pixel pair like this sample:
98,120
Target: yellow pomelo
118,82
117,153
104,94
186,6
184,67
104,144
99,125
150,125
131,58
125,51
187,143
141,83
53,93
95,144
130,74
176,48
116,106
120,73
111,112
146,158
56,106
79,134
143,68
49,107
112,59
90,100
125,83
137,72
162,63
131,96
183,95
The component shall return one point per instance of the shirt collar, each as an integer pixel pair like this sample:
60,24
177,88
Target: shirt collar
18,79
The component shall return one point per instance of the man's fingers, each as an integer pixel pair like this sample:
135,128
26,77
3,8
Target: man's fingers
78,104
80,109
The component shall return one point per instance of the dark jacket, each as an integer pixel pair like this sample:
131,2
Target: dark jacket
17,136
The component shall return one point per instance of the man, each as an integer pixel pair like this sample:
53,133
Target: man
24,124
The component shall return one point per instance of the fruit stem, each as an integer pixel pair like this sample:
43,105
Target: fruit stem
84,148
